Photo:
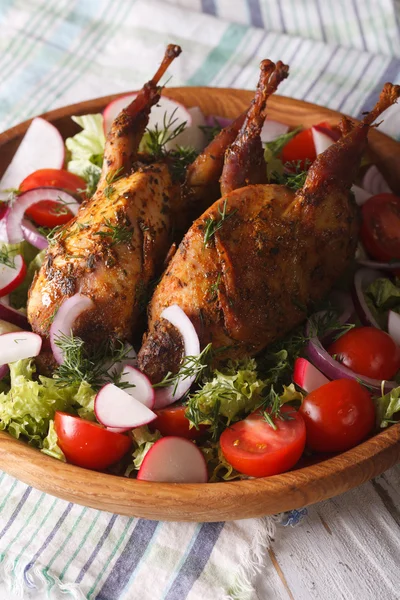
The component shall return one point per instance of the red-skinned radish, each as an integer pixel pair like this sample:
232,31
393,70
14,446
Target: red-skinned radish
139,386
19,345
12,276
64,321
322,140
174,460
272,130
41,147
118,410
307,376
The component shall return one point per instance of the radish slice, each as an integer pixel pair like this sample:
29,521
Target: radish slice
307,376
64,321
360,195
42,147
3,371
192,135
15,213
374,182
11,315
116,409
362,279
11,277
272,130
174,460
175,315
335,370
19,345
32,235
322,141
394,326
165,106
141,388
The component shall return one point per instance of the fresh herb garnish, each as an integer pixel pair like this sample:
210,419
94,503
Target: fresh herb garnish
54,235
213,225
7,257
181,158
91,364
211,131
111,178
156,139
192,366
214,287
118,233
91,176
275,147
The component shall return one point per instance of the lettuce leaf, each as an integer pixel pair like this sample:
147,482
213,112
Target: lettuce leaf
388,408
87,146
50,445
143,440
383,295
27,409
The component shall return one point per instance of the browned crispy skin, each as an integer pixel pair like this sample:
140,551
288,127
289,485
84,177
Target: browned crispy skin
275,253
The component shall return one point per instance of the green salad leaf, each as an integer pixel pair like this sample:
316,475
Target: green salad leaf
388,408
50,444
28,407
382,295
143,440
87,148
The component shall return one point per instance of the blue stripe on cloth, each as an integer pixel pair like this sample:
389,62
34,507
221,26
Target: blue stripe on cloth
256,17
208,6
321,72
391,74
16,512
355,6
195,561
43,547
97,549
128,561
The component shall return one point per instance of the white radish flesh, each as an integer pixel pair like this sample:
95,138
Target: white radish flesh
115,408
19,345
174,460
42,147
140,386
272,130
322,141
394,326
361,195
307,376
374,182
12,276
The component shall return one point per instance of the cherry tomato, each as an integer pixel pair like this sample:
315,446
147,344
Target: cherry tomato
338,416
368,351
301,147
254,448
88,444
172,421
380,228
48,213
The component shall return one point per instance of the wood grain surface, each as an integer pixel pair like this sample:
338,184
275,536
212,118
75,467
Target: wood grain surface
219,501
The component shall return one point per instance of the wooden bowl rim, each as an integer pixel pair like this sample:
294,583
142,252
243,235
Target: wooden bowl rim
330,468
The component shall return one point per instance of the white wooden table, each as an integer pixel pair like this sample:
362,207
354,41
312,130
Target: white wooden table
347,548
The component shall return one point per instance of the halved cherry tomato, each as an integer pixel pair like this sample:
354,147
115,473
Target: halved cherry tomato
368,351
172,421
380,228
253,447
338,416
301,147
49,213
87,444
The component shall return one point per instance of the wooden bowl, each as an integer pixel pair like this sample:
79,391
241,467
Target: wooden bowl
216,501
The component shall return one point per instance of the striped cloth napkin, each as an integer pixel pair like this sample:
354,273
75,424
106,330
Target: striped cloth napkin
56,52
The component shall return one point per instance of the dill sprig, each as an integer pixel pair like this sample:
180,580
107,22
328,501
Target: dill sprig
7,258
93,365
54,235
213,225
156,139
118,233
111,178
181,157
211,131
91,175
192,366
214,287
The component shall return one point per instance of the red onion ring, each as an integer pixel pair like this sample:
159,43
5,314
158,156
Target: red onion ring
362,279
7,313
394,326
32,235
15,213
372,264
64,320
335,370
175,315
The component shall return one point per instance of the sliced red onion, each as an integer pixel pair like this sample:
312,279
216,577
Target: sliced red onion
212,120
175,315
32,235
175,460
15,213
117,409
19,345
139,386
362,279
42,147
12,315
322,141
340,300
3,371
394,326
335,370
360,194
12,276
272,130
372,264
64,320
374,182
